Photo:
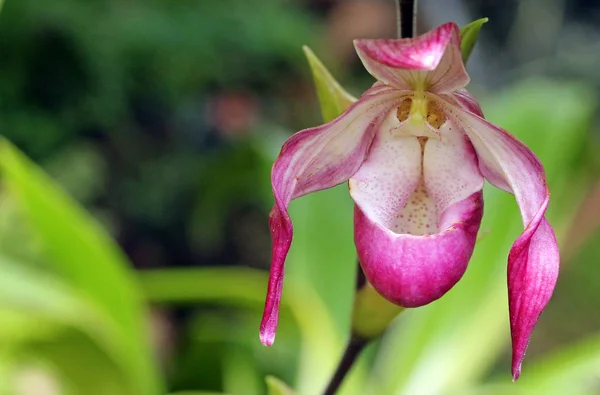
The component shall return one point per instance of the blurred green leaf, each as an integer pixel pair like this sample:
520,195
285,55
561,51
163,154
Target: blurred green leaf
571,369
468,37
500,389
237,286
277,387
196,393
322,341
44,318
82,365
86,258
332,97
240,373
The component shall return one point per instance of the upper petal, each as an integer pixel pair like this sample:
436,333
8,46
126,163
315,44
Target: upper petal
533,262
311,160
430,62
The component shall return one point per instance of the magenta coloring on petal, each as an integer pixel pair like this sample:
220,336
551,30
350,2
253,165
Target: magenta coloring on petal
311,160
415,270
429,62
533,261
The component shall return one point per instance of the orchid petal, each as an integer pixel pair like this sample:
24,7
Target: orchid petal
411,254
533,262
415,270
431,61
389,175
312,160
450,167
465,100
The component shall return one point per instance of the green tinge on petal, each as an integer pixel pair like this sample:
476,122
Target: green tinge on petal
277,387
468,37
332,97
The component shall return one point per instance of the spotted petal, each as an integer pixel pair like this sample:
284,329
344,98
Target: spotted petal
429,62
417,215
533,261
312,160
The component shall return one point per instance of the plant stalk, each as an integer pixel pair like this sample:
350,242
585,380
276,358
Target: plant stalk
353,349
406,17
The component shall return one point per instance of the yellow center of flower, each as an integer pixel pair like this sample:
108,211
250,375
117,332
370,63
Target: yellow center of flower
403,111
419,110
435,116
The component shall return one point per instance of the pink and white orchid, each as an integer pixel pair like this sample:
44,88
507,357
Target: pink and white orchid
415,149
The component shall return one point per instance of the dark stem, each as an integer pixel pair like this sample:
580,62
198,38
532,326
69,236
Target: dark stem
361,280
353,349
406,16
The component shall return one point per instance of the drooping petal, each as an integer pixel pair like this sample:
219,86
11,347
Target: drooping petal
418,210
533,262
312,160
429,62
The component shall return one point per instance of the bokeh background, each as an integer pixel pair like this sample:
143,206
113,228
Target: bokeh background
161,120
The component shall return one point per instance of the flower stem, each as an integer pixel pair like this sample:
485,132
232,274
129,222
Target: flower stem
353,349
406,17
361,279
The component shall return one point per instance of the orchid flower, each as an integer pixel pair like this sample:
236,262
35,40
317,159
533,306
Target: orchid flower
415,149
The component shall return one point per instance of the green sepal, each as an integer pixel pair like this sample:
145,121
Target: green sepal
332,97
468,37
372,313
277,387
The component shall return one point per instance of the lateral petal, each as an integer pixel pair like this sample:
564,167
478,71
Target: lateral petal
466,100
431,61
311,160
533,262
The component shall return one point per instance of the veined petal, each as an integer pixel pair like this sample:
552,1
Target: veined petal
429,62
418,210
465,100
312,160
533,262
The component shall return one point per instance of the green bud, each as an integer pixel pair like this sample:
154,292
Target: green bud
468,37
277,387
333,98
372,313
